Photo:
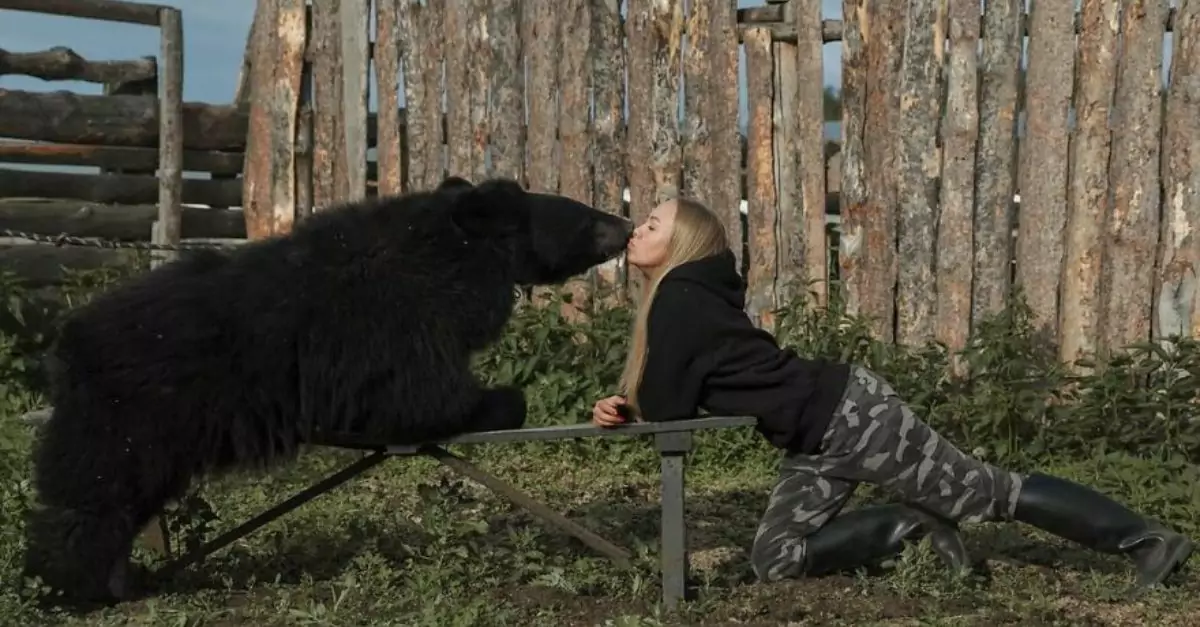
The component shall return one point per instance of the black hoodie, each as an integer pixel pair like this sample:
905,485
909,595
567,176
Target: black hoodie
703,351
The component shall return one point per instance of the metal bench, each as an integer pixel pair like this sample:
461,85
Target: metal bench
673,440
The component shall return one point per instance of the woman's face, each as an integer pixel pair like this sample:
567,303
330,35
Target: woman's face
651,242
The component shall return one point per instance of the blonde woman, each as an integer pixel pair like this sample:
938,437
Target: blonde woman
837,425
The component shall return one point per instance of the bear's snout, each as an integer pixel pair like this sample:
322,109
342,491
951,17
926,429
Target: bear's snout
613,234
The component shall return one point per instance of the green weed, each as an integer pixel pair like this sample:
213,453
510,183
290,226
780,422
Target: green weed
411,543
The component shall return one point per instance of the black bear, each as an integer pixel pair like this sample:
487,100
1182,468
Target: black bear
362,320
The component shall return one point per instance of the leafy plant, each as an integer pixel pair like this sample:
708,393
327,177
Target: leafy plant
411,545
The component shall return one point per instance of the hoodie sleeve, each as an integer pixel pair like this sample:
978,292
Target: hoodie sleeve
675,339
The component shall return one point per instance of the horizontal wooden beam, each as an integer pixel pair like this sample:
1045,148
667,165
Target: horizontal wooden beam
124,120
114,188
126,223
104,10
41,265
63,64
771,17
116,157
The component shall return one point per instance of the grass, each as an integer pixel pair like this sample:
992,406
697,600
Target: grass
411,543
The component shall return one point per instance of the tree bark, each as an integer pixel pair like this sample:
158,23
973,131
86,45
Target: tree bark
70,118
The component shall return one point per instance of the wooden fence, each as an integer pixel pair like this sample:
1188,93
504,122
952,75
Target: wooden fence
932,159
22,117
534,90
934,92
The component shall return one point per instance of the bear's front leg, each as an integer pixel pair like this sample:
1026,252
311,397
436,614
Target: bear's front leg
499,409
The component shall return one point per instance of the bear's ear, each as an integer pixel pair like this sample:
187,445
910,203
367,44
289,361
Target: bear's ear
493,208
454,182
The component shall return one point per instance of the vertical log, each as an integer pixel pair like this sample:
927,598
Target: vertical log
329,153
168,228
573,131
574,94
387,79
726,140
875,221
539,37
789,223
1132,234
608,76
479,51
421,53
640,125
355,16
995,157
697,106
256,175
292,36
809,135
666,160
455,29
506,119
639,150
851,256
1043,160
1177,307
270,178
1079,322
761,195
918,160
507,115
954,237
722,87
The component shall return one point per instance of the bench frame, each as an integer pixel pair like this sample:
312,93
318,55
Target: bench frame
673,440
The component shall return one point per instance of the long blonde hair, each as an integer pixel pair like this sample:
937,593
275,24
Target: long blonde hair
697,233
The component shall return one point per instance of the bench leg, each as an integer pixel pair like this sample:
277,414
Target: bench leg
618,555
673,542
300,498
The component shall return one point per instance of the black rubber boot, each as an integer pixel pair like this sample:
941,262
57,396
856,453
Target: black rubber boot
1086,517
870,534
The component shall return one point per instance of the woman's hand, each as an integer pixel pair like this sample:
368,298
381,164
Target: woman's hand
604,412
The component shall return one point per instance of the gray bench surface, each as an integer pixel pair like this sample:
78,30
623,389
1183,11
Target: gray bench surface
547,433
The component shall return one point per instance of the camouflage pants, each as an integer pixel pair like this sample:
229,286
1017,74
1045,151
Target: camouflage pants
875,438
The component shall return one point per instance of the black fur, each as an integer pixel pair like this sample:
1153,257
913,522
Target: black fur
362,320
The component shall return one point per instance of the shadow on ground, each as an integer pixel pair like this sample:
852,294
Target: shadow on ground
1033,571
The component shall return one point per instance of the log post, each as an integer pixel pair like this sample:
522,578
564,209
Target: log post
607,69
1132,227
809,135
1087,197
270,176
1177,302
789,222
167,229
994,158
389,177
918,170
761,190
1042,181
355,18
952,325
